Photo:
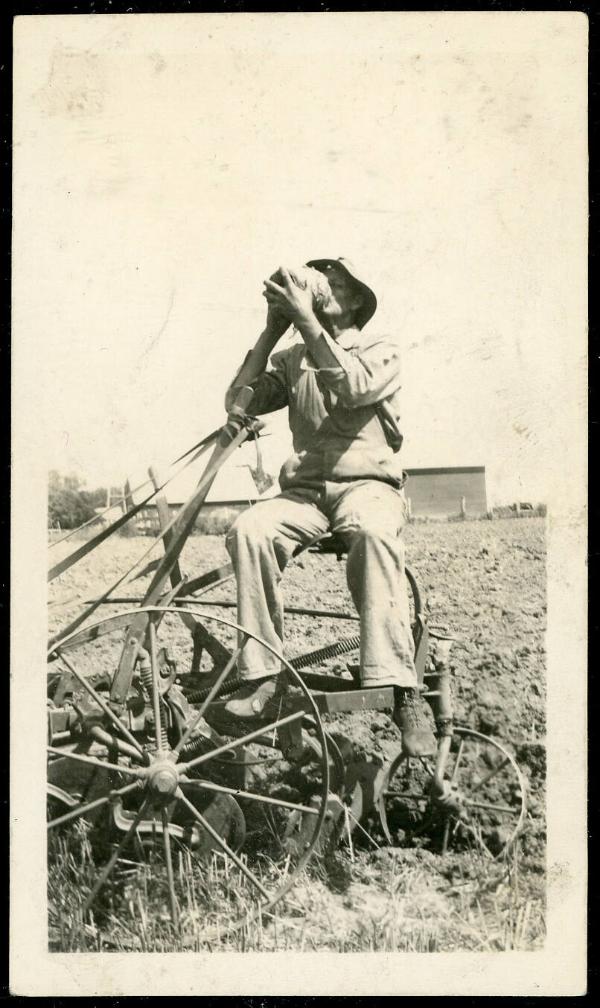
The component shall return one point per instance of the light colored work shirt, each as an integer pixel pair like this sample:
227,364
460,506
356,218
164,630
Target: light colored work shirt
333,411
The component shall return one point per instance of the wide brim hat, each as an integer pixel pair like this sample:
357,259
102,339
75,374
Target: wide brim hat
369,305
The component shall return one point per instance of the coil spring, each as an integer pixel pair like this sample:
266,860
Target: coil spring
147,683
195,747
340,647
228,687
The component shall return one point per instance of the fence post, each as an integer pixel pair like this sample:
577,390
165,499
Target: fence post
409,508
127,504
463,507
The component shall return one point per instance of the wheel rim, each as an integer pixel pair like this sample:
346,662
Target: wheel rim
483,803
164,778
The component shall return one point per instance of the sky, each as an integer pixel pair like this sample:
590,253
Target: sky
165,165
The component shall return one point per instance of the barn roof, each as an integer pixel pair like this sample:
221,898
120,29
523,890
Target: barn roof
445,470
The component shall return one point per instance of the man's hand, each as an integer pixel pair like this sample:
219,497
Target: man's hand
277,323
289,300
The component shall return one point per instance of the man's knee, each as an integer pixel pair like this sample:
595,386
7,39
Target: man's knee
248,528
256,544
373,539
367,534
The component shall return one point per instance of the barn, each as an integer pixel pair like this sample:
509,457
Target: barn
445,492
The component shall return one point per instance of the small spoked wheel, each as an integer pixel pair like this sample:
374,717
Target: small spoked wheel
480,805
155,784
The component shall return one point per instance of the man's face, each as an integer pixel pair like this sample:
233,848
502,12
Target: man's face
345,298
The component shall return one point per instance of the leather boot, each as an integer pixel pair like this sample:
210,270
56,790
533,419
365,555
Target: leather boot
411,718
253,702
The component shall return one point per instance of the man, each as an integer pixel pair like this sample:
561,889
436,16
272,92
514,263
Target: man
341,388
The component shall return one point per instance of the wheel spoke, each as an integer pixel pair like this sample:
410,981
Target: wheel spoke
491,808
477,837
113,859
446,836
489,776
414,795
88,806
461,747
223,845
228,746
237,793
102,704
92,761
169,863
213,692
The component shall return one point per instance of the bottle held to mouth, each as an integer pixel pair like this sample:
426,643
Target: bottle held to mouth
306,277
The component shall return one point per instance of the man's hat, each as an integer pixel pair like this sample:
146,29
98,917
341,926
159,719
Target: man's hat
369,305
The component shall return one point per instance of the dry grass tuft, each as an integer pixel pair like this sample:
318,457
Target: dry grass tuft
391,900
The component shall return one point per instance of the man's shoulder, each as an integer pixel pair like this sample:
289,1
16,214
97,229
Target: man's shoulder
375,339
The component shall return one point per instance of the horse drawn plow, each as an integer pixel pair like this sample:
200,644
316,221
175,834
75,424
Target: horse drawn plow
133,751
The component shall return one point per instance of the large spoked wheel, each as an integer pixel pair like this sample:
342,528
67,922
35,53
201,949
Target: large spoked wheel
152,779
481,804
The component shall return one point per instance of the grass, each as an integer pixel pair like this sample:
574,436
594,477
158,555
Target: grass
390,900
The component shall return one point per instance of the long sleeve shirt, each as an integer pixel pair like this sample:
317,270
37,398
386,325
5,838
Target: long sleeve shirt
334,413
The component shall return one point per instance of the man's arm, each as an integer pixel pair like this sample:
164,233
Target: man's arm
270,389
358,377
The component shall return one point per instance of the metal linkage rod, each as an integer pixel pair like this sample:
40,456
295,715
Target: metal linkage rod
106,597
87,547
183,523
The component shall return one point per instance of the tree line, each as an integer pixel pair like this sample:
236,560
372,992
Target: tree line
70,504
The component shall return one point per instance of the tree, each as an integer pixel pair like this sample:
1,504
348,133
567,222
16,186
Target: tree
68,504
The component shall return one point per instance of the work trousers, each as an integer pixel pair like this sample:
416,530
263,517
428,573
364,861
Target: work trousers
369,515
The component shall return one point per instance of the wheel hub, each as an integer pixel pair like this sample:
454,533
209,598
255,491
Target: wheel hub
163,779
450,800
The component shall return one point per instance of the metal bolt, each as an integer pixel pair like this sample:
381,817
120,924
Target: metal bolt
163,782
